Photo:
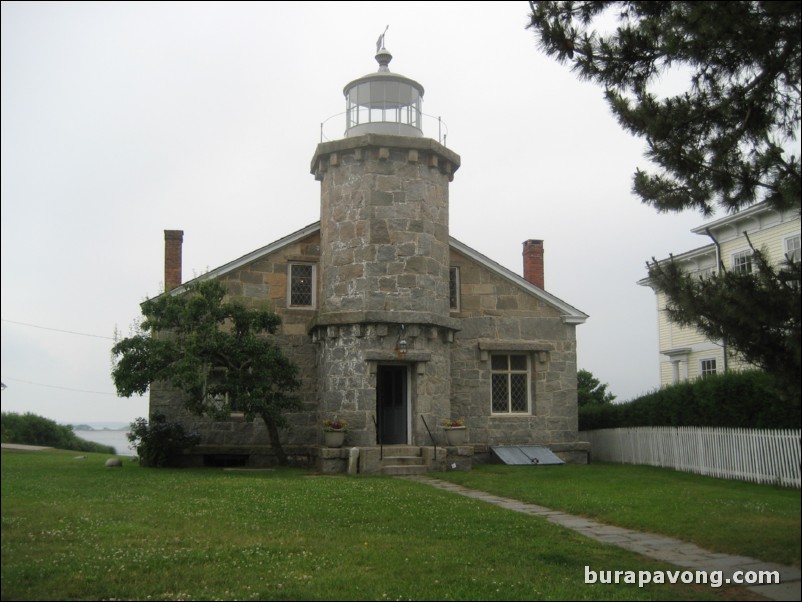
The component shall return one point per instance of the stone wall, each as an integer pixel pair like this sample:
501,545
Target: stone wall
349,357
448,359
385,258
384,224
498,316
262,283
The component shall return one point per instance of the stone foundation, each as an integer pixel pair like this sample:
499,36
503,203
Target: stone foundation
370,459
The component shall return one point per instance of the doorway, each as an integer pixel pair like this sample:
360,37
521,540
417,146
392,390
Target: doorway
392,403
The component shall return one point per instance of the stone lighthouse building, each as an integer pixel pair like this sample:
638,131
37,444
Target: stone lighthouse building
384,326
396,325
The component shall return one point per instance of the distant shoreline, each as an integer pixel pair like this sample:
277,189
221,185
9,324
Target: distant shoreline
99,426
117,438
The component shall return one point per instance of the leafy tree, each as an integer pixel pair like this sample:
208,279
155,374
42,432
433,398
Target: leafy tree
759,315
590,390
218,353
723,140
728,141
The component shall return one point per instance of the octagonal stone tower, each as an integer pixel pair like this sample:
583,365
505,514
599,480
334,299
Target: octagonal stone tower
384,326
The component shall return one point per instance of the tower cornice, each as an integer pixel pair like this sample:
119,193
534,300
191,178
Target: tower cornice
329,154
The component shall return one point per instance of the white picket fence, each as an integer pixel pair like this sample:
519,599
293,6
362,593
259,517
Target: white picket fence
762,456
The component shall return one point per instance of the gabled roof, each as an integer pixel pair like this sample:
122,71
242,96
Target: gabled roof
570,314
761,215
232,266
695,254
751,212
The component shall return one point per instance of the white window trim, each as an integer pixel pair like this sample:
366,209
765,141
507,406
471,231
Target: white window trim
702,361
528,411
792,254
290,265
745,253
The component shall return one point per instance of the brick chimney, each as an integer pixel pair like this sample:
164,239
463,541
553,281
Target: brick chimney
533,262
173,240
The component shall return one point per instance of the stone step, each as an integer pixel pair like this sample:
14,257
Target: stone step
402,461
391,451
404,470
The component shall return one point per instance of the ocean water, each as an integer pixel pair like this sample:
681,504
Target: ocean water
115,438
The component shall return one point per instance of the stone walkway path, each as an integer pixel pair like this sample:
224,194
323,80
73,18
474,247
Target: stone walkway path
674,551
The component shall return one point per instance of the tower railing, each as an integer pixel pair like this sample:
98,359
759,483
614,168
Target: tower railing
430,122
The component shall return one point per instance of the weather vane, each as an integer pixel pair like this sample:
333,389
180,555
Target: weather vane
380,41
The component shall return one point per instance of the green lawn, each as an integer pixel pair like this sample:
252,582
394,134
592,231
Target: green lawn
733,517
75,530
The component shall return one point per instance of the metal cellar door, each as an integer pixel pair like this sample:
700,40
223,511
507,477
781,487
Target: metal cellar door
391,403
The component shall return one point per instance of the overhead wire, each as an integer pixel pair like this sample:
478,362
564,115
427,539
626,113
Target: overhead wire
83,334
28,382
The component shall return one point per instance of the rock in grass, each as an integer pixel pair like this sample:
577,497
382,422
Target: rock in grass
114,463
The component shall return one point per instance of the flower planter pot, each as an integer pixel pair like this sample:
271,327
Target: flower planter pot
456,435
334,438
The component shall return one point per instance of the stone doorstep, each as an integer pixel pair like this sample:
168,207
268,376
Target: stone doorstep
391,451
404,470
402,461
396,459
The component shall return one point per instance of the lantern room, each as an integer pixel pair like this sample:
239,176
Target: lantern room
383,102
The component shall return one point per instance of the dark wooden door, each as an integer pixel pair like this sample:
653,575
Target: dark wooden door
391,403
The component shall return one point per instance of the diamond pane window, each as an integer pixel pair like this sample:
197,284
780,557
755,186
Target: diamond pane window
302,284
500,393
518,362
518,393
453,288
499,362
510,383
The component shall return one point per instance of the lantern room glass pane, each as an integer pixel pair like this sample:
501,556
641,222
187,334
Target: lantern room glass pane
390,103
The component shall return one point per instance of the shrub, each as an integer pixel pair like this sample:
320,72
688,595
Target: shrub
160,440
735,399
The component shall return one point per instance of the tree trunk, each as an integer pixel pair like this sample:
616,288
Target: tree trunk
275,442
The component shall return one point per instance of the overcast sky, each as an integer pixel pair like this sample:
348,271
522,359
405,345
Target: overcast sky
121,120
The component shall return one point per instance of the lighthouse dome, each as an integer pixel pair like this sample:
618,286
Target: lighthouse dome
383,102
